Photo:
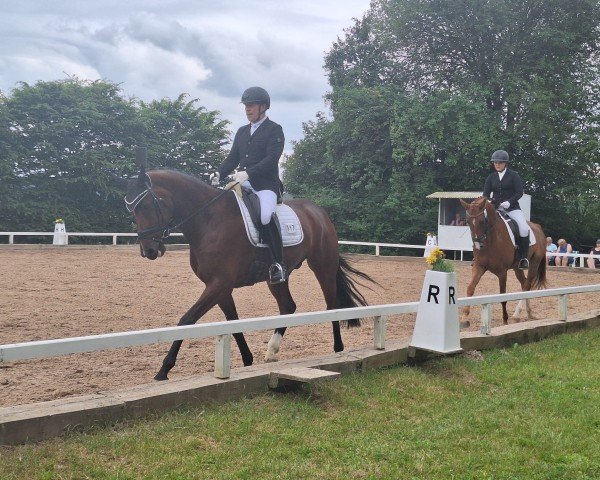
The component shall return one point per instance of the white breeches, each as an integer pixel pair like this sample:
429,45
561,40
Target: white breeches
519,218
268,202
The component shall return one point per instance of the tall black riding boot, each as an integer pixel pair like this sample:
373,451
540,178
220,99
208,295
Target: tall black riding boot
272,236
524,252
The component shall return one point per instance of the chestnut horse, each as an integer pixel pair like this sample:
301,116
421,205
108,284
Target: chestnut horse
222,257
493,250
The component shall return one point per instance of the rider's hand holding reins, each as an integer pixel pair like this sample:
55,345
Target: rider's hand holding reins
215,178
505,205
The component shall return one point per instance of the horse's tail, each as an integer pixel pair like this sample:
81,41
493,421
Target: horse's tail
540,280
348,295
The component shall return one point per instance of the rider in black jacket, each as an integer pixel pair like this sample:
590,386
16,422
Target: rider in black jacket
255,152
504,188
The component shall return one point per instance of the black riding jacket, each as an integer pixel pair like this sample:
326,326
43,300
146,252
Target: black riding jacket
509,189
258,155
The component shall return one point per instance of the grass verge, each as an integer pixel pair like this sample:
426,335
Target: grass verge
528,412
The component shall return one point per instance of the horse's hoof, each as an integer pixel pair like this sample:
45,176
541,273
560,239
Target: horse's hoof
270,359
465,324
338,348
160,376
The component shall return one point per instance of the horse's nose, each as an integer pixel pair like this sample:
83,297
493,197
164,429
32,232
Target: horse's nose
151,254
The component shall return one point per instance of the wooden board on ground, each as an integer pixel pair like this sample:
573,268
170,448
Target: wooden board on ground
299,375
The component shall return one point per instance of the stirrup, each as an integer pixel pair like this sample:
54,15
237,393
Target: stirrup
277,273
523,264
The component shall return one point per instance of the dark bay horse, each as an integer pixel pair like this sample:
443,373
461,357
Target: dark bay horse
222,257
494,251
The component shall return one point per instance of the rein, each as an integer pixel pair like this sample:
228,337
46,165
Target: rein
170,227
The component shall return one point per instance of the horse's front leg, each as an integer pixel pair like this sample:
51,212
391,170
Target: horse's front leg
207,300
286,304
502,283
227,305
476,274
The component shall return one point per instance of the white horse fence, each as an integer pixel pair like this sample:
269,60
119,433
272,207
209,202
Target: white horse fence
579,258
223,330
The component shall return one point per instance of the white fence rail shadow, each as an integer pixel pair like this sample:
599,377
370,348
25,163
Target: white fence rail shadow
223,330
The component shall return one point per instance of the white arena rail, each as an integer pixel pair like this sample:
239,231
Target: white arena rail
579,257
223,330
12,235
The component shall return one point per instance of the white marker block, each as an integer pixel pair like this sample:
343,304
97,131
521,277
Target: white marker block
437,327
430,244
60,234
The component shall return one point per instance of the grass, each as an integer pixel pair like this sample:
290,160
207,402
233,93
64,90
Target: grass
528,412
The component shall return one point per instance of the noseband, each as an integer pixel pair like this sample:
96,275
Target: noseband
486,226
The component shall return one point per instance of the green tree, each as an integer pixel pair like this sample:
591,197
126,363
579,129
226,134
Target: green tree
62,140
183,136
470,77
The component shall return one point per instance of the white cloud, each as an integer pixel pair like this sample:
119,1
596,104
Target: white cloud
211,50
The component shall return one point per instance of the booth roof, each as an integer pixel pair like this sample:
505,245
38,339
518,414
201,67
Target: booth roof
455,195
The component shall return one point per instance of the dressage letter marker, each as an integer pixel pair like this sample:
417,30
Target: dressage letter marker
437,328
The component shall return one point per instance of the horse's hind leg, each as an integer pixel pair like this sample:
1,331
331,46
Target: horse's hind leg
326,272
286,304
525,287
227,305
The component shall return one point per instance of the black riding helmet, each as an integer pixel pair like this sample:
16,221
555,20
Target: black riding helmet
256,95
500,156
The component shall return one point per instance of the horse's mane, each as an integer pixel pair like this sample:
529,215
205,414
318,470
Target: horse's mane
179,173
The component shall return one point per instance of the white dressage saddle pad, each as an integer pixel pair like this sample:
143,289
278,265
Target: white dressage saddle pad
512,237
291,230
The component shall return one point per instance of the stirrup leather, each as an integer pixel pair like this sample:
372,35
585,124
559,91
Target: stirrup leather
277,273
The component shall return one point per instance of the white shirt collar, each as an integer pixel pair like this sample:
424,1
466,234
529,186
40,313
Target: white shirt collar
501,174
254,126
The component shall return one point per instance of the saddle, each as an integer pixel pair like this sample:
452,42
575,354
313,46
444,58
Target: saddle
513,228
289,223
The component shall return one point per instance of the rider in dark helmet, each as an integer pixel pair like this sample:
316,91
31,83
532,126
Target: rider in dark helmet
505,188
255,152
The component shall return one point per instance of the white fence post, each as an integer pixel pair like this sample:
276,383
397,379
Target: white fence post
379,328
223,356
486,318
562,307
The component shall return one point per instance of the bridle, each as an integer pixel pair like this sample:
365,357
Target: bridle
132,205
487,226
165,229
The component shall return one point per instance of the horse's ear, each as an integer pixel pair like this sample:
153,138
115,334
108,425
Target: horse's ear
119,181
141,159
464,204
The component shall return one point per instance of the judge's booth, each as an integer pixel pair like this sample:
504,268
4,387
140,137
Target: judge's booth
453,232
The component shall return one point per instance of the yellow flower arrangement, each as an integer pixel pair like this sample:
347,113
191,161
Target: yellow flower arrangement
438,262
59,220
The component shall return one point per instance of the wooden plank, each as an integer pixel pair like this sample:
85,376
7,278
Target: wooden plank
296,375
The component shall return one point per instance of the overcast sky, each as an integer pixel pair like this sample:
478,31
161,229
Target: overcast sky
210,49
